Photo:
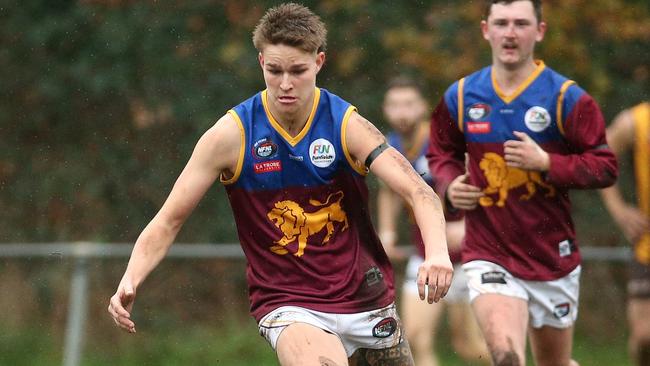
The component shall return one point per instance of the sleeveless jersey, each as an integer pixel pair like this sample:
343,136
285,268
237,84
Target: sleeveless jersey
641,116
300,206
523,223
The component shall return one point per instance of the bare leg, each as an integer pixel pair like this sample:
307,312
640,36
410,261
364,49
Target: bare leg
420,321
552,346
302,344
639,322
466,335
503,321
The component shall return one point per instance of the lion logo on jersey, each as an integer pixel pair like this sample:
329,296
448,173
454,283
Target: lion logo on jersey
502,178
295,223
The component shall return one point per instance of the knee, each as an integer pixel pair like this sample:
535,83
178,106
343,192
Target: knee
506,358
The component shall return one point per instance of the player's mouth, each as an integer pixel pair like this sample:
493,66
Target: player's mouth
286,99
509,46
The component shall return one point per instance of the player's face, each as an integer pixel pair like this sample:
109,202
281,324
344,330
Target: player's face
290,77
404,108
512,30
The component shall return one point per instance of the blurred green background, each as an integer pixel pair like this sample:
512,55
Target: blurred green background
102,102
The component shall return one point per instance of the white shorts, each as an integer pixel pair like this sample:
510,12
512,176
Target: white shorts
375,329
458,292
553,303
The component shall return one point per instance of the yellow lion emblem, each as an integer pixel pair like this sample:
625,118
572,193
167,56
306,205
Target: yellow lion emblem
295,223
502,178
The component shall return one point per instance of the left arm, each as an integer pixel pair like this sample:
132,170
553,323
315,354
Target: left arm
591,163
398,174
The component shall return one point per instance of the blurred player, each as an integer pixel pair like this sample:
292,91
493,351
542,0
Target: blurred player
631,131
293,159
406,111
531,135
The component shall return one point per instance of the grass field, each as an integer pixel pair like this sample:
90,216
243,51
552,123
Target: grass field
236,345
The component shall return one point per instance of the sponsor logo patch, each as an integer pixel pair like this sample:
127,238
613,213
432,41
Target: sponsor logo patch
479,127
537,119
493,277
373,276
385,328
565,248
322,153
268,166
265,149
478,111
296,157
561,310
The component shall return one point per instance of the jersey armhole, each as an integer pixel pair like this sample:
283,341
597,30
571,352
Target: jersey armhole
344,126
560,103
461,105
242,150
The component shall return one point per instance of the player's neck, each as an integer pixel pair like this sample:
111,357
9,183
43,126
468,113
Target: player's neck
509,78
293,122
411,137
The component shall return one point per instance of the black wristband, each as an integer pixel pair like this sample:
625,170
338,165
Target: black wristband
375,153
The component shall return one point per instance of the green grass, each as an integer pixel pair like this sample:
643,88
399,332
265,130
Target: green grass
236,345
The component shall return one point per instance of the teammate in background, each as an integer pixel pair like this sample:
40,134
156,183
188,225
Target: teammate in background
631,131
406,111
531,135
292,160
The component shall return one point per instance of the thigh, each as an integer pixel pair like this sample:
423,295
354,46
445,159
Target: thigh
503,321
302,344
551,346
638,318
398,355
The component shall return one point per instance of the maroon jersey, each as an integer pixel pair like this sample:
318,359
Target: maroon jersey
300,205
523,222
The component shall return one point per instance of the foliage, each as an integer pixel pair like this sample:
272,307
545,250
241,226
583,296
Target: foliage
103,100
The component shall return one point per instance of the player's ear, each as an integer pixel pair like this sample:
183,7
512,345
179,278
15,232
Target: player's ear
260,58
320,60
484,29
541,31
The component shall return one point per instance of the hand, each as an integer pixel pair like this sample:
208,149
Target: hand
632,222
121,304
526,154
461,195
435,274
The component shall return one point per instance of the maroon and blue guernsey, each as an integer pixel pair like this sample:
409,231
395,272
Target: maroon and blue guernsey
523,222
300,205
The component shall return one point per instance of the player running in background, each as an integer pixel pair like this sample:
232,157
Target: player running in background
531,135
631,131
293,160
406,111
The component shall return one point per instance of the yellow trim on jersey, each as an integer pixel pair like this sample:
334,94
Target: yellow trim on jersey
293,141
641,116
242,150
461,105
520,89
420,139
359,168
560,102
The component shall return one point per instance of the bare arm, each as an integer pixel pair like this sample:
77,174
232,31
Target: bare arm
388,206
398,174
620,136
216,152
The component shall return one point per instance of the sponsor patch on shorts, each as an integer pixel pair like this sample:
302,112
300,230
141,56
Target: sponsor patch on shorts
385,328
561,310
493,277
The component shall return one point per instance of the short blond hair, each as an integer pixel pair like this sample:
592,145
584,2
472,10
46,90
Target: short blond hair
293,25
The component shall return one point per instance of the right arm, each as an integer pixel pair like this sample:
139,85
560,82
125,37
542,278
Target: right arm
446,155
216,152
388,207
621,138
